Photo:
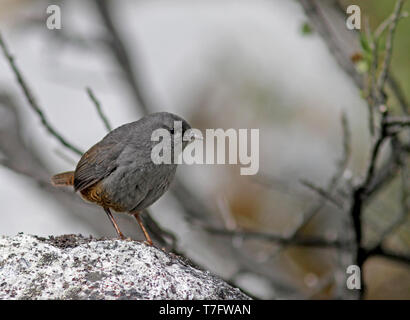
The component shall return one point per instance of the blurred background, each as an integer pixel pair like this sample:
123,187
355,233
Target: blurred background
218,64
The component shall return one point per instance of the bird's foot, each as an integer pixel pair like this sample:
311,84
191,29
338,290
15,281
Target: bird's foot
124,238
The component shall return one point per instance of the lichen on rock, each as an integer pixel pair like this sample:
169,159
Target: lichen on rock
74,267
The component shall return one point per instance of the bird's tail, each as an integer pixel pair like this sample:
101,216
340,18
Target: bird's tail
63,179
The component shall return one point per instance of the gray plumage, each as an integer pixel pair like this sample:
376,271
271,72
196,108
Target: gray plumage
121,164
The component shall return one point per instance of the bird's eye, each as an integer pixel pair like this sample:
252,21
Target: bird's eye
171,130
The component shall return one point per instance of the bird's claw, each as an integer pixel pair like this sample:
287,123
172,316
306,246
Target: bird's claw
124,238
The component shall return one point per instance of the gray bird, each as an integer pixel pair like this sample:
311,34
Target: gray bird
118,172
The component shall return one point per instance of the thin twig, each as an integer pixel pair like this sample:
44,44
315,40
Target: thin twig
99,110
341,168
398,93
322,192
311,212
361,192
296,241
398,121
405,208
374,46
32,101
389,50
314,11
380,251
375,177
386,172
119,50
372,162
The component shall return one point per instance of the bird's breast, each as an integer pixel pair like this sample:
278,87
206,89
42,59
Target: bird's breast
134,189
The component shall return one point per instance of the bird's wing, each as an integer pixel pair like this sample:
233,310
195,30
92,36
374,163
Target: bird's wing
96,164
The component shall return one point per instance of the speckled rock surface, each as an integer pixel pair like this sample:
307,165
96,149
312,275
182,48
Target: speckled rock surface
73,267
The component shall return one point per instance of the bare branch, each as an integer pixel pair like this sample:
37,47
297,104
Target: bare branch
341,168
316,11
375,178
398,93
343,45
374,45
346,154
386,172
389,50
99,110
323,193
398,121
404,211
32,101
379,251
120,52
374,154
293,240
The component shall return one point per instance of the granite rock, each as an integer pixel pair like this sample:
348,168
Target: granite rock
74,267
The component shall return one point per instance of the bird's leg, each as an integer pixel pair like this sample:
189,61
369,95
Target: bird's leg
109,214
137,216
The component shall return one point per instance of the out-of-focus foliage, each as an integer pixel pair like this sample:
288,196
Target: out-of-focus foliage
376,11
